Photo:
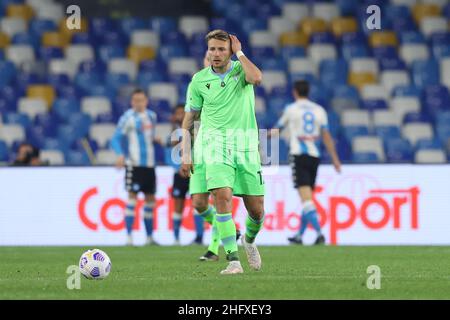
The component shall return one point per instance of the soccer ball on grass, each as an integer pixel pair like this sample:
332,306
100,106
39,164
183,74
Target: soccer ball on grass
95,264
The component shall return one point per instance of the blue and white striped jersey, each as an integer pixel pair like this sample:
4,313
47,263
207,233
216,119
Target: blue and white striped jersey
304,120
139,129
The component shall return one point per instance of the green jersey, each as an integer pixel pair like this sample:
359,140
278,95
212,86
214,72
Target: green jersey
227,105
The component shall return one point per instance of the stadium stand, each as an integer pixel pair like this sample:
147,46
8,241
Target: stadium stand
386,91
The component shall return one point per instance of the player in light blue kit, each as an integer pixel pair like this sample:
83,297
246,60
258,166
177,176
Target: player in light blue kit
307,124
138,126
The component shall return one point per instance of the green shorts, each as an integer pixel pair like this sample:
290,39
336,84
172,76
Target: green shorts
197,182
238,170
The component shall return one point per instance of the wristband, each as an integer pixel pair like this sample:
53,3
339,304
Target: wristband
239,54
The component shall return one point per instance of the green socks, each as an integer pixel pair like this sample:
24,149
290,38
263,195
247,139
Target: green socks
252,228
227,232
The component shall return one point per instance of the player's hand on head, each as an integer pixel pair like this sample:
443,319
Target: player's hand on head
235,44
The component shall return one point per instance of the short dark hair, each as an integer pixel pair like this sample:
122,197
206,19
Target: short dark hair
138,90
301,87
217,34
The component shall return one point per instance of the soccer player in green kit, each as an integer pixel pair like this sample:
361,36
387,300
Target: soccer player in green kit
227,142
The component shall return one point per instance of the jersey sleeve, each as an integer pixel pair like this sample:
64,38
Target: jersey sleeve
241,72
283,120
121,130
194,100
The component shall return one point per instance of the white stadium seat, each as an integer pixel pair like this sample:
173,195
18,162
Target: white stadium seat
53,157
374,91
32,106
105,157
369,144
164,90
392,78
355,118
183,65
277,25
145,38
102,133
404,105
430,156
63,66
93,106
263,39
320,52
273,79
12,132
295,11
303,65
385,118
193,24
415,131
412,52
20,53
123,65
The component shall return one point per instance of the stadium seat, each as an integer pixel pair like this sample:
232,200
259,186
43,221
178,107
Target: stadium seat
364,65
445,71
303,65
415,131
163,90
374,91
355,118
63,108
423,10
295,11
145,38
77,158
16,118
350,51
10,133
360,79
273,79
116,80
383,39
416,117
78,53
279,25
62,66
263,39
105,157
50,11
403,105
387,132
83,38
12,25
52,157
341,25
95,105
386,118
350,132
140,53
423,144
391,79
32,106
182,65
425,73
369,144
20,11
311,25
55,39
365,157
398,150
320,52
193,24
45,92
18,54
4,151
121,65
325,11
412,52
430,25
102,133
432,156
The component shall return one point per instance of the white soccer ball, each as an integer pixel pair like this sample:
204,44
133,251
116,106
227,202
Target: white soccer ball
95,264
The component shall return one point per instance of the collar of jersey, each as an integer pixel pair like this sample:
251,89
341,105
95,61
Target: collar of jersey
222,76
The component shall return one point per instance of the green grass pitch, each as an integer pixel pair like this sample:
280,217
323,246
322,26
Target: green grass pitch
290,272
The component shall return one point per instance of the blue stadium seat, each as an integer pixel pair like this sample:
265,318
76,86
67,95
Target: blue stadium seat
253,24
416,117
354,38
333,123
276,105
274,64
166,52
113,38
144,79
320,94
102,90
39,26
8,71
446,11
345,91
129,24
263,52
374,104
442,117
108,52
55,144
63,108
68,92
219,6
36,136
26,38
289,52
322,37
347,7
106,118
85,81
267,10
365,157
154,65
83,38
237,12
411,37
406,91
17,118
10,95
394,12
441,51
174,38
391,64
116,80
428,144
350,132
281,92
442,38
120,105
48,53
398,150
23,80
100,25
80,122
92,66
443,132
4,151
163,25
180,79
403,24
48,122
387,132
333,72
222,23
425,73
436,98
79,145
384,52
77,158
349,51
